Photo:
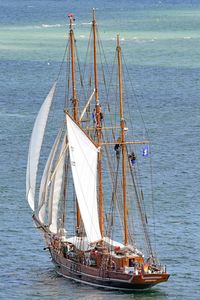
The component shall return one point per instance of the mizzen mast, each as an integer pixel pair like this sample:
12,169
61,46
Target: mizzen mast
74,95
98,126
123,145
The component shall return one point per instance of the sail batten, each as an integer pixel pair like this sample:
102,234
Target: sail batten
35,146
83,157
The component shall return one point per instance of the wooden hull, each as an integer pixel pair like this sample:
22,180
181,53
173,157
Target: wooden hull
108,280
115,280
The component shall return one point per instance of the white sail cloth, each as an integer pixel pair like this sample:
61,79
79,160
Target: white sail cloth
44,186
57,189
83,157
35,147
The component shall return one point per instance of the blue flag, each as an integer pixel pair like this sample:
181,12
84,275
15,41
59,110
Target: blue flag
145,151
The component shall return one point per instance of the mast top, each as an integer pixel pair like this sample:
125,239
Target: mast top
118,41
118,49
71,19
94,14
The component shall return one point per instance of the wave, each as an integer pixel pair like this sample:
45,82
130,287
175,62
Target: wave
88,23
14,115
51,25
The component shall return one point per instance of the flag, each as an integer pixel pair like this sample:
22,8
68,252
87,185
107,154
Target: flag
145,151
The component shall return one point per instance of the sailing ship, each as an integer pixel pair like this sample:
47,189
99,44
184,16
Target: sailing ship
89,203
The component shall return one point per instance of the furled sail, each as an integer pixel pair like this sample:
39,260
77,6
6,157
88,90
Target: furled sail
43,194
35,147
83,157
57,189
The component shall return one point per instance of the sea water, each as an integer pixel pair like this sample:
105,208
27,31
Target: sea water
162,47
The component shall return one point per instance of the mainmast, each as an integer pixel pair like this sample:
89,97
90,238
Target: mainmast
74,96
98,127
123,145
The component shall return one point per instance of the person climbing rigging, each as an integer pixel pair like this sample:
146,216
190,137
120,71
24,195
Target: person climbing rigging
132,158
101,116
117,148
94,117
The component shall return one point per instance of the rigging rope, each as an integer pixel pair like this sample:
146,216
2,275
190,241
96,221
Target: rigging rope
147,134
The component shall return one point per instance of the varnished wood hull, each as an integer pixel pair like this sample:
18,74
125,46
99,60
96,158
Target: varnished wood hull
94,276
108,280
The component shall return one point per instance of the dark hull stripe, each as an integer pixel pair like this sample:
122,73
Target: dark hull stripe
105,286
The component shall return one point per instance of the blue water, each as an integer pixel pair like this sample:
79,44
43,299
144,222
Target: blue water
162,47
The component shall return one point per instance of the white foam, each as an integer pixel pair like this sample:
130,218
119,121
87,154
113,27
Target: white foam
89,23
50,25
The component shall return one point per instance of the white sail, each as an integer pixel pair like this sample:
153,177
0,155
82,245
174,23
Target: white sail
83,156
35,147
45,180
57,188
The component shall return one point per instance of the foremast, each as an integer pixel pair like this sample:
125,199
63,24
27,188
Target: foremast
98,126
74,96
123,145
